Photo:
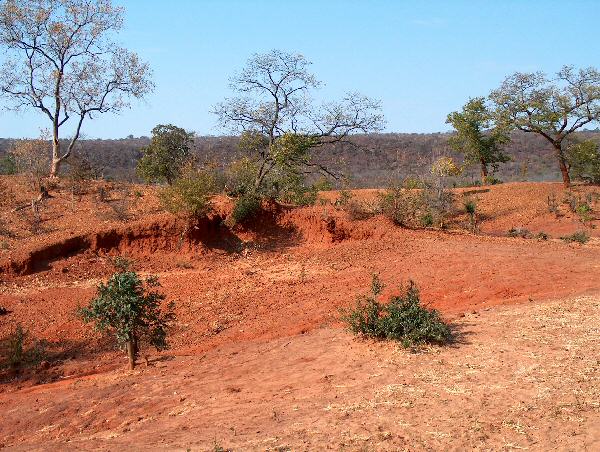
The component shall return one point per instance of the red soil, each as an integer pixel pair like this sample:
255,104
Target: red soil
285,275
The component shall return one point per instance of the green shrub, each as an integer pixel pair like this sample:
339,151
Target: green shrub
21,351
246,207
191,193
584,211
581,237
121,263
403,318
131,308
425,207
8,165
584,159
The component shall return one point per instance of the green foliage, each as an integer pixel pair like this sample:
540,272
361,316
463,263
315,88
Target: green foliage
584,161
8,164
470,206
271,171
166,155
403,318
412,183
191,192
581,237
425,207
21,350
131,308
477,137
552,108
121,263
246,206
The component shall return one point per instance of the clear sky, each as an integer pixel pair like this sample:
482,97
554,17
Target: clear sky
422,59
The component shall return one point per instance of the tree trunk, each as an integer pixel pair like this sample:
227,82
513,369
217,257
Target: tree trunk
484,172
131,352
562,161
55,164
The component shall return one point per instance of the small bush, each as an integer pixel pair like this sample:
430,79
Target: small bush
246,207
121,264
581,237
131,308
191,193
403,318
344,198
519,232
584,211
21,350
542,236
552,203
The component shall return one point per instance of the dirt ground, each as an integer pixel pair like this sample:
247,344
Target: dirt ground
259,359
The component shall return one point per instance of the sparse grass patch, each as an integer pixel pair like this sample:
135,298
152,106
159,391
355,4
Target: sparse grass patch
519,232
402,319
581,237
21,351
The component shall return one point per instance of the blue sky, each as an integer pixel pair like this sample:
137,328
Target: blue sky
422,59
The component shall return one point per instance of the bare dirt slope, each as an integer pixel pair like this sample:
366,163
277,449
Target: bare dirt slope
259,359
519,377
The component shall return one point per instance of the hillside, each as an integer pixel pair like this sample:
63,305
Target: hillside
258,329
370,159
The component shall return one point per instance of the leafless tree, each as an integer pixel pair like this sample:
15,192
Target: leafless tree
62,61
273,105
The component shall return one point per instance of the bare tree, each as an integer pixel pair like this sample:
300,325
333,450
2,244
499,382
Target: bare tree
554,109
274,112
63,62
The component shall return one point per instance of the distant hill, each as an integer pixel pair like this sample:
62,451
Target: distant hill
371,159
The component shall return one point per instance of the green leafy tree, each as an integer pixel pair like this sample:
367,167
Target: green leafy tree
477,138
62,60
131,308
552,108
584,161
279,126
166,154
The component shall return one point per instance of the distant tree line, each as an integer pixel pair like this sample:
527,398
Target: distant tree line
370,160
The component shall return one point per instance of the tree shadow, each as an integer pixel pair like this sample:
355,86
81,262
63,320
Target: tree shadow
41,361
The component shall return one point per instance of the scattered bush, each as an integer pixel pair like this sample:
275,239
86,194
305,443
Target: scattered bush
131,308
552,203
542,236
8,165
471,209
121,263
32,158
416,208
519,232
246,207
581,237
3,310
403,318
585,212
191,193
21,350
358,210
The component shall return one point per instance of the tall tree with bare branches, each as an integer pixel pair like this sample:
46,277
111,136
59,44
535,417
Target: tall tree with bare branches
62,61
553,108
280,126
